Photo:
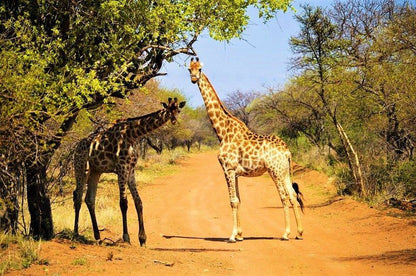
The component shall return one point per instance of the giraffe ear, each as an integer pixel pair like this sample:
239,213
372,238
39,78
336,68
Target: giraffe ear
201,64
164,105
182,104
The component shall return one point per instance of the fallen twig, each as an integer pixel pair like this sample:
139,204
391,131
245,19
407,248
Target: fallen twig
163,263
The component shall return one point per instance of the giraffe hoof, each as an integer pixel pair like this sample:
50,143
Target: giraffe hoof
239,238
284,239
299,237
231,240
126,238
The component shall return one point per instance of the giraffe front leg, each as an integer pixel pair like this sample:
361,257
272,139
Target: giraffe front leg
232,183
139,208
123,207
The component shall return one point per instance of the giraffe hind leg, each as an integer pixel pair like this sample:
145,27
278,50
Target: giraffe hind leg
90,201
296,201
284,193
81,175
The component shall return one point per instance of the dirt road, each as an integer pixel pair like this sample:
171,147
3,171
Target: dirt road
188,221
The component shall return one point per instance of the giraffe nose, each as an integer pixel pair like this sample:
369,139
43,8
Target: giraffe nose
194,78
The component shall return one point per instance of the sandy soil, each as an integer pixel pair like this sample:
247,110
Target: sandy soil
188,221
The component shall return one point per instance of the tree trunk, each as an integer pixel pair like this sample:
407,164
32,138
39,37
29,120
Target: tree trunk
10,184
188,144
353,161
9,214
41,224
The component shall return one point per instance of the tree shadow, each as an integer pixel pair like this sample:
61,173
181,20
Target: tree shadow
405,256
213,239
312,206
195,250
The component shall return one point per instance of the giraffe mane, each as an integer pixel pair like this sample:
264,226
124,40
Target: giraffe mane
226,111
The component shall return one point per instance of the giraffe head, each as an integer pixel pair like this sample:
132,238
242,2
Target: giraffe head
174,108
195,68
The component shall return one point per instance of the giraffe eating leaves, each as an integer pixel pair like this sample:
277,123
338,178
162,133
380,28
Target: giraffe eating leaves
114,151
244,153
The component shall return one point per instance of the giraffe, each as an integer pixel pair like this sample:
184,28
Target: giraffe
114,151
244,153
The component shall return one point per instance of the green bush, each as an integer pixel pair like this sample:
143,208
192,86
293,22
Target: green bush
406,175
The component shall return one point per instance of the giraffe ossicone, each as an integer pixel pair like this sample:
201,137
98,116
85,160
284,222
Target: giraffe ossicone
114,151
245,153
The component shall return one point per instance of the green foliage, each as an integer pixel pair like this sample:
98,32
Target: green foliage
406,174
355,67
58,58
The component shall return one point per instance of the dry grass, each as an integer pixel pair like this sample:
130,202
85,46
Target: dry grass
17,252
107,200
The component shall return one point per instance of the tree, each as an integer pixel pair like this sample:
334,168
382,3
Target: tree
237,102
292,110
61,57
381,53
316,47
381,56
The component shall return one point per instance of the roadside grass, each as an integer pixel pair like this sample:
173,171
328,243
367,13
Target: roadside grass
18,252
107,198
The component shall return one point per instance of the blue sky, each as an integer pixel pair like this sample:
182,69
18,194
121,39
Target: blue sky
256,63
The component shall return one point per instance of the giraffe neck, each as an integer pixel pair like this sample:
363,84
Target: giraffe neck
134,128
219,116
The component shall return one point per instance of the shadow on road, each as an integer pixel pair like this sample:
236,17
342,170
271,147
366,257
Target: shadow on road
195,250
313,206
406,256
218,239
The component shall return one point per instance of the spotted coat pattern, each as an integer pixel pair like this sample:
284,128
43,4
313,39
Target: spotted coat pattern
114,151
245,153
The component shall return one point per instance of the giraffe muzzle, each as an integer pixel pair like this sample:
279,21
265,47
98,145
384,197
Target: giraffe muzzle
194,78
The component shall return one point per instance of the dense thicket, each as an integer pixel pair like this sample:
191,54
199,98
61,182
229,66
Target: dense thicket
353,93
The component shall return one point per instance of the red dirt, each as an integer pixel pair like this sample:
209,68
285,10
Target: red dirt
188,220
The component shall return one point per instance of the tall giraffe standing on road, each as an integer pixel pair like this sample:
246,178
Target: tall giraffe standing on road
114,151
244,153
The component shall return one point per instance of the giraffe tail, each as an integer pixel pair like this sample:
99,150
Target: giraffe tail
299,195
